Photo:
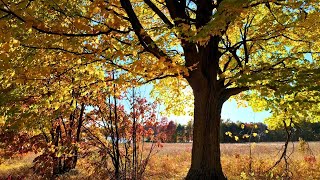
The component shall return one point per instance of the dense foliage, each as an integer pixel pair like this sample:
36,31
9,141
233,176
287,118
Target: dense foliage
57,56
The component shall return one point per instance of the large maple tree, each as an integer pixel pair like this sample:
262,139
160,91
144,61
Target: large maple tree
221,48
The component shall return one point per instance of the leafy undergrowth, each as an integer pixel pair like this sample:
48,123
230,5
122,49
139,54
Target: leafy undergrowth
173,160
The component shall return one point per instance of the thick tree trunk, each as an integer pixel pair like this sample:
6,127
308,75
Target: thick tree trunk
208,100
206,162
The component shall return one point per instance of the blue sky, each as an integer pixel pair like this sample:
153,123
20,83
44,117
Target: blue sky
230,110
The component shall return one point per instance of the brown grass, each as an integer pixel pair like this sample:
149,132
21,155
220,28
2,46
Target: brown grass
172,161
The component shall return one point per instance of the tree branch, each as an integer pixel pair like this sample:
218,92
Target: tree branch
145,40
177,11
227,93
159,13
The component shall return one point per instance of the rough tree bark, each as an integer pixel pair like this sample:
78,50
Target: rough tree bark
208,100
205,163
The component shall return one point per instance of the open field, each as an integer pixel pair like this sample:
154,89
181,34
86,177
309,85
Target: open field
173,160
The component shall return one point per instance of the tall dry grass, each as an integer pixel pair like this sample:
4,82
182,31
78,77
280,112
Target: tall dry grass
172,161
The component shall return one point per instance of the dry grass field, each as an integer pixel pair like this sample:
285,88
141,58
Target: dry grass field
173,160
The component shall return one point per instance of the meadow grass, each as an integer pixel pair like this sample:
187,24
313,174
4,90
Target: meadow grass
172,161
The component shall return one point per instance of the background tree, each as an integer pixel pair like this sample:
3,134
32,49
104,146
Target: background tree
171,132
189,130
180,133
120,133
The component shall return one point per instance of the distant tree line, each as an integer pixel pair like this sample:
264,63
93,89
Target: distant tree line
176,133
235,132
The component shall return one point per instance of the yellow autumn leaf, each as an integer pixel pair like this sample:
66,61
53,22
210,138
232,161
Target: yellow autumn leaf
245,136
96,10
56,106
6,47
229,133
